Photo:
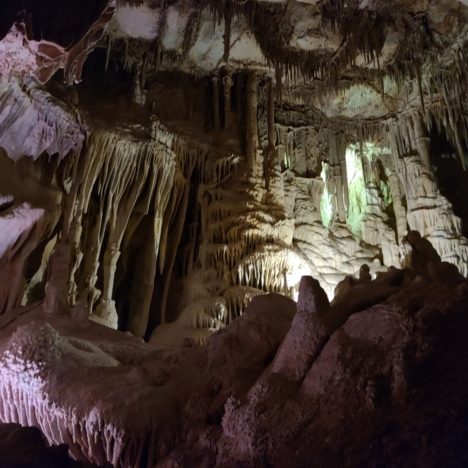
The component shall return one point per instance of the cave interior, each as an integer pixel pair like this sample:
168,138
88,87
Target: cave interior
233,233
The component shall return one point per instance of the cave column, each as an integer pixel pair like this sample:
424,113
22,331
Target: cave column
422,140
395,183
271,115
56,290
138,94
227,86
111,257
332,191
125,200
398,207
269,153
251,117
341,149
329,190
106,309
92,249
397,162
216,120
91,292
76,230
338,183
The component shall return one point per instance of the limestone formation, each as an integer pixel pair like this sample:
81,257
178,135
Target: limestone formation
167,166
272,180
353,367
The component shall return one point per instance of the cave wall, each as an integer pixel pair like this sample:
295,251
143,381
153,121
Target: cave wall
150,215
187,174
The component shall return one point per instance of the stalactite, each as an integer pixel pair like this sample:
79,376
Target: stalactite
237,240
227,30
123,173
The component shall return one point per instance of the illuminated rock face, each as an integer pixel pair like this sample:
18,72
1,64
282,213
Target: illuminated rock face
184,196
352,381
164,164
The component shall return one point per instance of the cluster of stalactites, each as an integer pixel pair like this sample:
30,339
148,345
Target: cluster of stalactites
363,34
119,181
443,111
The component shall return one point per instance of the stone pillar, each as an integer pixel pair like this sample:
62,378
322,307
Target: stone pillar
138,94
75,236
110,264
56,290
336,174
215,82
279,82
271,115
341,147
338,185
106,310
90,293
398,207
227,85
251,117
422,140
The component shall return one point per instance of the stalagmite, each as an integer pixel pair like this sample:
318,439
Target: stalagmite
309,324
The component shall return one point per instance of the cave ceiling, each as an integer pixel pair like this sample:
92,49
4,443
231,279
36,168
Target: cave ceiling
344,58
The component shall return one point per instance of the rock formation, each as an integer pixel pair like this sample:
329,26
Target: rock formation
349,382
167,166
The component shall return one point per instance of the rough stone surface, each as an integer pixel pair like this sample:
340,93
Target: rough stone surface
348,383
